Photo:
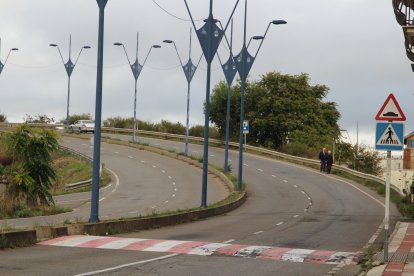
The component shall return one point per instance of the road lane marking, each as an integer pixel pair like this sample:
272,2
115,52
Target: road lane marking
258,232
154,166
116,152
296,186
274,176
280,223
130,157
260,170
127,265
162,171
174,183
169,177
285,181
295,216
246,165
229,241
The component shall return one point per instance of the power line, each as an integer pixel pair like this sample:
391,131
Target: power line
171,14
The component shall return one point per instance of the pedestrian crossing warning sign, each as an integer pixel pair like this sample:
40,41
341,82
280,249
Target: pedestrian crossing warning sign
389,136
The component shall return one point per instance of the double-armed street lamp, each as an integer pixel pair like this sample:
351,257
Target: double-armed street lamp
4,64
136,68
69,66
209,36
189,70
230,71
244,62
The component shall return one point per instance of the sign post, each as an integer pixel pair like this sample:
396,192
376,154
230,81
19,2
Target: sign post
389,136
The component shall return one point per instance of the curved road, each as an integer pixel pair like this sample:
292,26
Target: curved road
142,183
288,207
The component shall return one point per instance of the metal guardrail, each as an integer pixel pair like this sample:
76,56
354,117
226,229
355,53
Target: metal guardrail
81,184
232,144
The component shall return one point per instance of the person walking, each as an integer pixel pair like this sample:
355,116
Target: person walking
322,157
329,162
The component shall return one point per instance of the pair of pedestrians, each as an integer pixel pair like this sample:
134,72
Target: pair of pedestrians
326,159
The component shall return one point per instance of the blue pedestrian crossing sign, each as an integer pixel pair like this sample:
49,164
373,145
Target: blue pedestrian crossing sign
389,136
246,127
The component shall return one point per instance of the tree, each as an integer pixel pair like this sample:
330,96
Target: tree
76,117
3,118
283,110
38,119
31,173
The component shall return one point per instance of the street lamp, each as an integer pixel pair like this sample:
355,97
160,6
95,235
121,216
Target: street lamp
69,66
94,216
209,36
136,68
4,64
230,71
189,71
244,62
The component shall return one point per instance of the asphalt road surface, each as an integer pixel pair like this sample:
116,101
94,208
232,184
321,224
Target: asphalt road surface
289,208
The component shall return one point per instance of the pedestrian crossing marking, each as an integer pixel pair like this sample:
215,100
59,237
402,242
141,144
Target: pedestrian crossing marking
206,249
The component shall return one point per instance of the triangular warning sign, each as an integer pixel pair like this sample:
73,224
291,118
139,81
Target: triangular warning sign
389,137
390,110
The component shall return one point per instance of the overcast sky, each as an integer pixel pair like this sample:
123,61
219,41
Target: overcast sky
355,47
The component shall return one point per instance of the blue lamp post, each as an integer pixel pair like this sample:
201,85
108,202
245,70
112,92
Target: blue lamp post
4,64
136,68
230,71
94,216
244,62
189,70
209,36
69,66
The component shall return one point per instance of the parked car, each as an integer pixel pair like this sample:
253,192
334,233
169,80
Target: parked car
83,126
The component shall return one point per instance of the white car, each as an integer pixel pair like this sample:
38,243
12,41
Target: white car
83,126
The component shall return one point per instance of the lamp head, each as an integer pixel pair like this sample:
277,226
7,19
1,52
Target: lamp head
279,22
258,37
53,45
156,46
14,49
168,41
118,44
86,47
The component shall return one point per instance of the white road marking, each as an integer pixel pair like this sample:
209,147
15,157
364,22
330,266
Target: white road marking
116,152
102,199
166,201
260,170
295,186
164,246
126,265
303,192
162,171
285,181
274,176
207,250
280,223
246,165
154,166
258,232
212,155
295,216
174,183
130,157
142,161
169,177
173,195
229,241
175,189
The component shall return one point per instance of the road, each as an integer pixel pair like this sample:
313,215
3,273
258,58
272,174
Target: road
142,183
289,207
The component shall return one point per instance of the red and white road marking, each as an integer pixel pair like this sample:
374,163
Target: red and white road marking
205,249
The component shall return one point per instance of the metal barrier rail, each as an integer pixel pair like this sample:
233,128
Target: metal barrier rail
232,144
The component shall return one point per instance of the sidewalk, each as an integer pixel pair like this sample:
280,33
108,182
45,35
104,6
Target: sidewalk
401,253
